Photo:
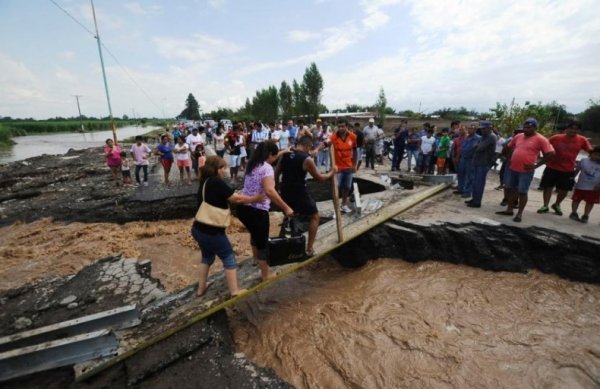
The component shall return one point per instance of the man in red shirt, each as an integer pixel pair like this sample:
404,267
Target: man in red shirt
344,147
560,170
525,149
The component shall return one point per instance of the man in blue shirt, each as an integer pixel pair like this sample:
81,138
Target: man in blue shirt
465,168
293,130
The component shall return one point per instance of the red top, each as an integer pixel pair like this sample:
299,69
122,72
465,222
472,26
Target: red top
526,150
567,148
343,149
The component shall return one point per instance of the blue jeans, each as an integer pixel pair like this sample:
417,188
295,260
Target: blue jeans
479,176
398,154
465,176
423,163
137,172
323,157
345,180
518,181
211,245
410,154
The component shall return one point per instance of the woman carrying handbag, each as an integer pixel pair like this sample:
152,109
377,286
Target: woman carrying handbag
212,219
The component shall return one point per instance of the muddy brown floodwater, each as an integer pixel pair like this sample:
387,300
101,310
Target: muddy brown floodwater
430,324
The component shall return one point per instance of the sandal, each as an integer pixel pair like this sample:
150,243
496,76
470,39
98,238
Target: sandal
517,219
504,213
310,253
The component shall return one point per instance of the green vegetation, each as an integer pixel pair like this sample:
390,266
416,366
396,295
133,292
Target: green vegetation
550,116
300,100
192,109
18,127
590,118
5,137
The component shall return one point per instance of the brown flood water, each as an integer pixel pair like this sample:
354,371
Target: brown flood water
396,324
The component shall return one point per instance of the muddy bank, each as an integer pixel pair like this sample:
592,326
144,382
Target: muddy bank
489,247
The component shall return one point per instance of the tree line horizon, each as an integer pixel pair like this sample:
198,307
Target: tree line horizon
303,101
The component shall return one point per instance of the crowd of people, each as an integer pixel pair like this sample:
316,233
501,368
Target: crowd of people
277,158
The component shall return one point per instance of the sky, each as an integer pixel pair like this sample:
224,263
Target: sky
425,54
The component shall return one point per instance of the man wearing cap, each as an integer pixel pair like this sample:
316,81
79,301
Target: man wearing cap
371,133
525,149
483,158
560,170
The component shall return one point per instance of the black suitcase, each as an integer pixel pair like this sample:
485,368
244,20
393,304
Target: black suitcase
289,247
282,251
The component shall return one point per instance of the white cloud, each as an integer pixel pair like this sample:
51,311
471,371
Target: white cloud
474,56
135,8
217,4
65,75
66,55
199,48
302,35
374,16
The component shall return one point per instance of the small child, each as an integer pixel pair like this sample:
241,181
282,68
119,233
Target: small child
125,171
588,185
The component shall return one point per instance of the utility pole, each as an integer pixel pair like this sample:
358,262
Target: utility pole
79,109
112,120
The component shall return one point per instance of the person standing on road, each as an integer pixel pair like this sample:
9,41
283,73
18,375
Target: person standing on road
182,155
400,138
112,152
165,151
412,149
360,141
465,171
140,153
371,133
483,158
292,168
560,170
344,147
525,148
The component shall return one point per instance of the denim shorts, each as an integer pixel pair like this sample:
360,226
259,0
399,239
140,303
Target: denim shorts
345,180
518,181
212,245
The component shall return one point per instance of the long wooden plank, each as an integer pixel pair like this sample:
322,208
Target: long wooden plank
325,246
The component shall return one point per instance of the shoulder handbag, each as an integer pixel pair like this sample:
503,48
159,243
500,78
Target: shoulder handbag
211,215
289,247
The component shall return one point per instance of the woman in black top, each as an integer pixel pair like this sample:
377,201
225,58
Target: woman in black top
212,240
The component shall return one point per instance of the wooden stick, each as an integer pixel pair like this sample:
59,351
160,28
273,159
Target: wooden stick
336,199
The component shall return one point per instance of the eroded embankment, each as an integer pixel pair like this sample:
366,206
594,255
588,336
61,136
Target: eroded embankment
497,248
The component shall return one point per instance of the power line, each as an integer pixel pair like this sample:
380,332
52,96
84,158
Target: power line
110,53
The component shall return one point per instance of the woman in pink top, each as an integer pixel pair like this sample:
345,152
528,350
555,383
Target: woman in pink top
112,152
260,179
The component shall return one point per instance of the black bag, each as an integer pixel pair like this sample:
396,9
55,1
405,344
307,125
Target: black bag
289,247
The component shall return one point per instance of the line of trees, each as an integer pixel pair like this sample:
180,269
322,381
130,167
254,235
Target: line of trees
298,100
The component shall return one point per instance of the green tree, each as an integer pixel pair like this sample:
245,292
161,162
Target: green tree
590,118
286,100
265,105
511,117
380,105
192,109
299,99
312,86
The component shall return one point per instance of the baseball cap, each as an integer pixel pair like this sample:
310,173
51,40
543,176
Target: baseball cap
531,122
485,124
371,120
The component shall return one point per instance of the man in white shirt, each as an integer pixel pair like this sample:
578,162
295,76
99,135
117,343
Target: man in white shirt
372,134
425,151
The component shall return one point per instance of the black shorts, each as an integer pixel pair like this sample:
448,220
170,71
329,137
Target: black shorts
300,201
126,173
256,222
554,178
